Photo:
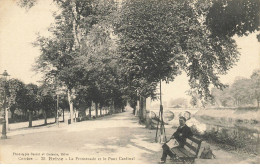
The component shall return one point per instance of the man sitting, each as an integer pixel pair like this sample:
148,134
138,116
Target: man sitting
181,134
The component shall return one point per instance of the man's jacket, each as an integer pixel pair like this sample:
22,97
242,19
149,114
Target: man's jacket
182,134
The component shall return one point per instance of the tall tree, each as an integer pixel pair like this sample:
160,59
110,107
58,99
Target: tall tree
63,104
72,22
240,91
83,99
31,101
222,97
100,61
255,87
46,95
16,89
159,39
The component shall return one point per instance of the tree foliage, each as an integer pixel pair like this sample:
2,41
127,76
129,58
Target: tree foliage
109,51
16,94
23,98
255,87
47,98
233,17
99,59
243,92
158,39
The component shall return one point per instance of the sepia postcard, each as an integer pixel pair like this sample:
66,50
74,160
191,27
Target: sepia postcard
129,81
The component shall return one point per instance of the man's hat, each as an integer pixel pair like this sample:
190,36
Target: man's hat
186,115
181,117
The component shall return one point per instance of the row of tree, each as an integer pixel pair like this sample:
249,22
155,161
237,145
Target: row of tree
243,92
109,52
26,101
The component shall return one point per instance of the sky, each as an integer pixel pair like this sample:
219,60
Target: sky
18,29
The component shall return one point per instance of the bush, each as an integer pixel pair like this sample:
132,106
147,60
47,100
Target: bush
240,141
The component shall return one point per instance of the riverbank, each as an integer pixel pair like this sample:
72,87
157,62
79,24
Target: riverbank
237,114
234,130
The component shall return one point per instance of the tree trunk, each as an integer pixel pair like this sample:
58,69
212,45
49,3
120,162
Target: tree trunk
82,110
75,115
45,117
148,121
96,108
76,35
112,109
71,106
137,108
12,112
100,108
116,109
63,115
25,115
141,108
30,118
55,116
144,108
134,110
89,111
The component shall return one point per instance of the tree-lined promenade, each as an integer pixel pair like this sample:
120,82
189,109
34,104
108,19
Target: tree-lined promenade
29,102
106,53
116,138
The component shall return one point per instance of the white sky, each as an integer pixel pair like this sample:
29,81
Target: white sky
18,29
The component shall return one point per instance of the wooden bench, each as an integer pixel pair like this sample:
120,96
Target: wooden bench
189,152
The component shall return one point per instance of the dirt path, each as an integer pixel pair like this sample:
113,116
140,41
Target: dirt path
116,138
